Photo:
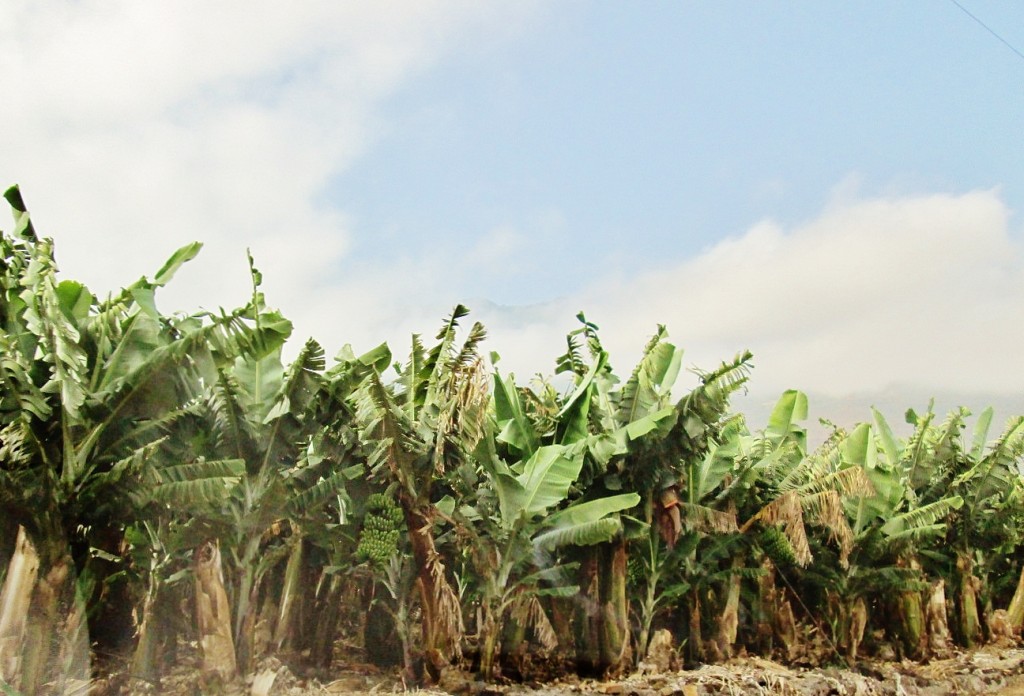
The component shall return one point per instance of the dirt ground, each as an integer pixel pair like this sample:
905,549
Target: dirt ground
987,671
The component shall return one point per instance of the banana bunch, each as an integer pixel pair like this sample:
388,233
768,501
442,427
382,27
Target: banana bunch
381,530
635,571
774,543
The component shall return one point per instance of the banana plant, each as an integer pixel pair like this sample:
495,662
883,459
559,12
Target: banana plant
513,534
417,430
258,453
160,543
984,531
86,383
613,426
638,440
632,422
785,495
893,527
279,423
678,467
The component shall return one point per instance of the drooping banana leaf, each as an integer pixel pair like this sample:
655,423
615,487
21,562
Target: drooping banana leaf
198,483
923,520
572,419
579,534
542,483
515,429
587,523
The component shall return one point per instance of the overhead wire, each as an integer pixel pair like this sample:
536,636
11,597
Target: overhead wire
989,29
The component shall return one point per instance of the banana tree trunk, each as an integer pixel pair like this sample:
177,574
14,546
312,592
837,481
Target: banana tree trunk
588,619
263,632
305,616
489,636
402,623
765,607
74,654
560,611
213,615
970,622
44,643
728,622
856,622
246,596
778,623
935,616
647,607
153,627
439,604
911,618
328,611
14,606
381,631
616,656
144,657
786,629
695,641
602,617
514,640
44,619
912,631
285,631
1015,612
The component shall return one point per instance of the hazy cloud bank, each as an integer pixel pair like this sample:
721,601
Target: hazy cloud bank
923,292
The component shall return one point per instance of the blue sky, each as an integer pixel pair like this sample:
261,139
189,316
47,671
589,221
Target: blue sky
836,186
653,133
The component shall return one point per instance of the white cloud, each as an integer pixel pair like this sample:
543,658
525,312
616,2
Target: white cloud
496,245
920,292
136,127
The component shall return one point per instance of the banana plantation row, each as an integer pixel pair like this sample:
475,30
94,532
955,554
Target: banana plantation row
169,480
